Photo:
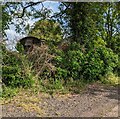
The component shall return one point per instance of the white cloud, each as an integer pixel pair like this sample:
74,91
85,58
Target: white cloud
11,34
13,38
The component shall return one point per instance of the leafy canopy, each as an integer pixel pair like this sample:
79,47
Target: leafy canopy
49,30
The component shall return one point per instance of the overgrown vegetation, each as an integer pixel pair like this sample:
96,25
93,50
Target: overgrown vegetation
16,70
90,53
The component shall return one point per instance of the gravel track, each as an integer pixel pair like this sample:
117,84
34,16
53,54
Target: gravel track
96,101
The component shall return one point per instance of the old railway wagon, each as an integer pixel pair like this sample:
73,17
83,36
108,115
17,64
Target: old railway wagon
29,41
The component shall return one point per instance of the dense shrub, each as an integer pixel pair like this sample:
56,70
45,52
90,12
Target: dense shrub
69,63
77,63
16,70
100,60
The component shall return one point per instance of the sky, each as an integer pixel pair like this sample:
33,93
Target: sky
13,37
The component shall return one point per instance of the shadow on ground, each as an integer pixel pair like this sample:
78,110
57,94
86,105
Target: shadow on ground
111,92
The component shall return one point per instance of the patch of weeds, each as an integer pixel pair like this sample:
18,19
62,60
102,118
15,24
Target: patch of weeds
110,79
30,107
28,99
9,92
35,89
50,86
75,86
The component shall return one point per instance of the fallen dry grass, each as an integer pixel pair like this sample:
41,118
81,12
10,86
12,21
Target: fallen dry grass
28,101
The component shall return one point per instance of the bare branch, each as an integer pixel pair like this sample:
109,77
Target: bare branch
31,4
41,2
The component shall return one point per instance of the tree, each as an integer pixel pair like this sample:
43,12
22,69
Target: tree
85,25
49,30
78,17
108,22
17,13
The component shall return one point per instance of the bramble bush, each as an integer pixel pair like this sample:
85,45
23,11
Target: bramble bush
41,61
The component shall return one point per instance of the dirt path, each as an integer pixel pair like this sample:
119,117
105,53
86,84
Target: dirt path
95,101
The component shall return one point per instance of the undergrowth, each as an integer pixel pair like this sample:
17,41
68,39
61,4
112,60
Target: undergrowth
61,72
48,86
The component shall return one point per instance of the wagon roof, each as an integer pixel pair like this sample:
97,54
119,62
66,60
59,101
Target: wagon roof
28,37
